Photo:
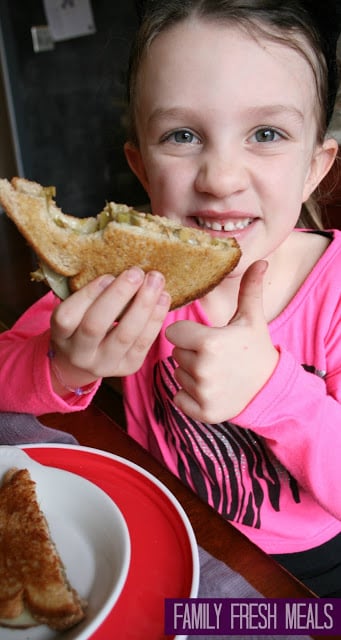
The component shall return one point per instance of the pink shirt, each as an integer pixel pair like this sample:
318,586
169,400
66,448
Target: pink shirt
25,368
275,470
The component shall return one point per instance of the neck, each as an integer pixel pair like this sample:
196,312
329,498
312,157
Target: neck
289,266
220,304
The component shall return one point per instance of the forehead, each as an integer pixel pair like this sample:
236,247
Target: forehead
205,62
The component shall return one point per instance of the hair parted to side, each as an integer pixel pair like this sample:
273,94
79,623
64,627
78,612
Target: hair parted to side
287,22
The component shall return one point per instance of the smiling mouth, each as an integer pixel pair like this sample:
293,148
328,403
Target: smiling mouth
230,225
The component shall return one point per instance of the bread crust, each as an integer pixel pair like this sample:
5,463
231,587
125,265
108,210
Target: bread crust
191,267
32,574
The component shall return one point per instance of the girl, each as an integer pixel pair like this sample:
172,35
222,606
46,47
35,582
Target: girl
238,393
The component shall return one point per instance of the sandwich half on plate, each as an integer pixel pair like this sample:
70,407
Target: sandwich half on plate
73,251
34,588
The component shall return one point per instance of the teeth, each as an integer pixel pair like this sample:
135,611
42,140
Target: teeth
227,226
216,226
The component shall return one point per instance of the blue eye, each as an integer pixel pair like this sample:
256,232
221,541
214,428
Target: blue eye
182,136
267,135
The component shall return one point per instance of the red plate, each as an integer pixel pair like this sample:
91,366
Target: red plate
164,555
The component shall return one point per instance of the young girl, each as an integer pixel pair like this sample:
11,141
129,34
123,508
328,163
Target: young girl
237,393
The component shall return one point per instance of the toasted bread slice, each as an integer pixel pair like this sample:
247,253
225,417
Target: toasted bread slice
33,578
79,249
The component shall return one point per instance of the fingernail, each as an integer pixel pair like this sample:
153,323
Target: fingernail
106,280
154,279
135,275
164,299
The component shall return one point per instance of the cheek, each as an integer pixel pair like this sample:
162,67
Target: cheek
285,185
167,185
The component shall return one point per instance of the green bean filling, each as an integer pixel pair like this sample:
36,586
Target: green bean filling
122,214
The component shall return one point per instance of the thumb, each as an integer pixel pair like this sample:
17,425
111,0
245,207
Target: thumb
250,299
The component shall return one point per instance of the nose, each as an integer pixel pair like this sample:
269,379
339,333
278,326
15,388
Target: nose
221,175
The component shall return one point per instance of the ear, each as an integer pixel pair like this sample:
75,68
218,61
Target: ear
134,159
322,160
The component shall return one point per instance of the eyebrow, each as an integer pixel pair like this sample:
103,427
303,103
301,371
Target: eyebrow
259,112
174,112
276,109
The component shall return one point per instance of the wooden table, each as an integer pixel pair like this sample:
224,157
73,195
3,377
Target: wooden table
94,427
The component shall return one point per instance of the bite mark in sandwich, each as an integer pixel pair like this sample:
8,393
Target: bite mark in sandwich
73,251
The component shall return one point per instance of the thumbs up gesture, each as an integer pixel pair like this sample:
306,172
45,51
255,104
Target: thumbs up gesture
220,369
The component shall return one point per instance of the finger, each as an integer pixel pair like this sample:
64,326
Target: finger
152,326
186,382
93,308
185,359
155,321
250,299
188,405
186,334
129,342
137,314
141,322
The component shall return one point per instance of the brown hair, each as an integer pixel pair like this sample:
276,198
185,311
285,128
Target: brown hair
284,22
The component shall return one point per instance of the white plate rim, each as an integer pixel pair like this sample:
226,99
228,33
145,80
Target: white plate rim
185,519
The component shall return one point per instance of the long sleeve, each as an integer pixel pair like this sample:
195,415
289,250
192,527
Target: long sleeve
298,412
300,419
24,366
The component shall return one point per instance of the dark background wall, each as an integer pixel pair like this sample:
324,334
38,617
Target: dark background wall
70,105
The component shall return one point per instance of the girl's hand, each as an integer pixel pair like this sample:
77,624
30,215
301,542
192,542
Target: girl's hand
88,339
221,369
